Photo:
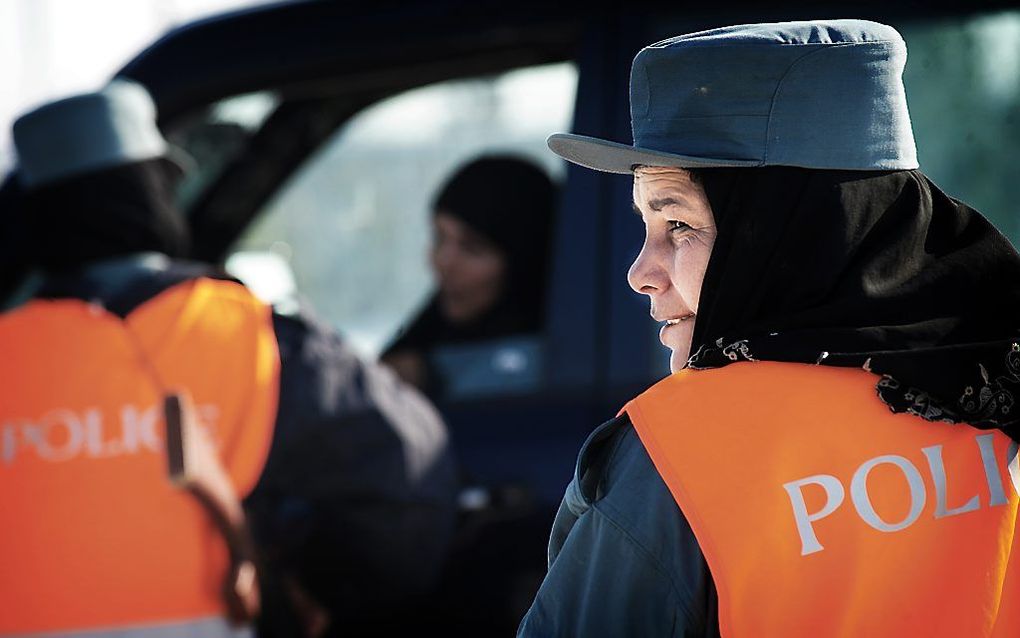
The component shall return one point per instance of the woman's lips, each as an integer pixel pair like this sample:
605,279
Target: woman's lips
670,324
676,320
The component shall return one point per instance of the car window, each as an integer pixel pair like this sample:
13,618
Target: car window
353,223
209,140
963,88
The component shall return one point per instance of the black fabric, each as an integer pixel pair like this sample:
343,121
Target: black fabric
15,258
865,269
356,500
430,327
510,202
118,211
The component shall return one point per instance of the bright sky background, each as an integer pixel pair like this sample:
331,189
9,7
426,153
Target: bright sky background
53,48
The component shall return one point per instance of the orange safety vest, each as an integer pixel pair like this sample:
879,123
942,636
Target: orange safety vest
821,513
95,537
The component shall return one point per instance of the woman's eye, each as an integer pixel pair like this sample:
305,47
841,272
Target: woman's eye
475,248
676,224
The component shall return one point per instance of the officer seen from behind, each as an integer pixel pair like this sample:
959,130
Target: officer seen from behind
344,470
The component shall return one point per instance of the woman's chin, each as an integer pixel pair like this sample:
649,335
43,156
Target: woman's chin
678,358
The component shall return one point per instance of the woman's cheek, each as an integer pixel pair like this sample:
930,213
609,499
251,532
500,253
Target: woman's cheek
690,260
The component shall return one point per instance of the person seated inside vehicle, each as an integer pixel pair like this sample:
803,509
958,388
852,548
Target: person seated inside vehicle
492,223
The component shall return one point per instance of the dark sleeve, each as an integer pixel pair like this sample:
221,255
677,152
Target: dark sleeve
623,560
356,501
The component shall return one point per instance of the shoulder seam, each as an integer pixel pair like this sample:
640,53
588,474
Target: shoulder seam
674,588
611,456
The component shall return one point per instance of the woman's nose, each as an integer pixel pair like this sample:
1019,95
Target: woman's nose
646,274
443,258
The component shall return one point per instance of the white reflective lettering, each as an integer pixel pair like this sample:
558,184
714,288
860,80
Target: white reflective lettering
938,475
95,445
996,492
9,442
140,429
209,415
861,500
834,493
61,435
41,435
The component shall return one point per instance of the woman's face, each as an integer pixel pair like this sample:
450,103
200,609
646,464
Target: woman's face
679,233
469,269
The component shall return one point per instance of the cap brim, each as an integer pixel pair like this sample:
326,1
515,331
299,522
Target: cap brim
613,157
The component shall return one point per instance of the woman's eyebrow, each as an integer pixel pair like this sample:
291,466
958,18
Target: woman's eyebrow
663,202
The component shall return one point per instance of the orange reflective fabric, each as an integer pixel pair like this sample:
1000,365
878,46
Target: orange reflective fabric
94,535
726,442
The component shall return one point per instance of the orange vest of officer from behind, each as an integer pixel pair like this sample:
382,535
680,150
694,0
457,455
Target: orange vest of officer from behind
821,513
94,535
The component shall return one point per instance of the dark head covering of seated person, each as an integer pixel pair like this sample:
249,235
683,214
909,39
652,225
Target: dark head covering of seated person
490,252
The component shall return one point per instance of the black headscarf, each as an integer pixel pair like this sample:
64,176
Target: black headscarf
107,213
510,201
879,270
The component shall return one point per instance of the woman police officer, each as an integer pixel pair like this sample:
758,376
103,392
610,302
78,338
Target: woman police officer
834,453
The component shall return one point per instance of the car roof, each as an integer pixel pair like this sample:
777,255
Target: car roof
390,46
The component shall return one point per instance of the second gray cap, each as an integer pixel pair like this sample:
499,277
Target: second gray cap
110,127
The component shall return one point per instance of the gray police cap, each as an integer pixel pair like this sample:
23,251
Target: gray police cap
111,127
819,94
